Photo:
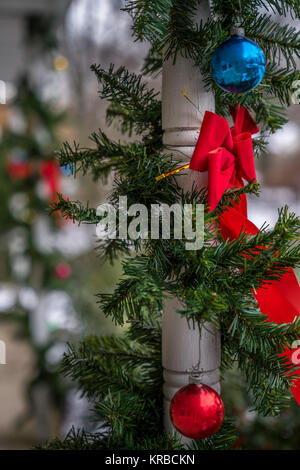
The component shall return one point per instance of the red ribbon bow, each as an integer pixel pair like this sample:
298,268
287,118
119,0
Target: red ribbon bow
227,155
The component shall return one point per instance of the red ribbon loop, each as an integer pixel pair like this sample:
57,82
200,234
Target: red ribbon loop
226,154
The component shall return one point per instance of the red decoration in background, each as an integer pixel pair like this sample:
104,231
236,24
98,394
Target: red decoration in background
51,175
227,155
19,170
63,270
197,411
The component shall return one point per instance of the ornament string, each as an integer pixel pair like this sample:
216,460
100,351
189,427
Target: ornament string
192,103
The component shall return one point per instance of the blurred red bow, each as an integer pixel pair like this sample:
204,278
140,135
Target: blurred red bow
226,154
51,175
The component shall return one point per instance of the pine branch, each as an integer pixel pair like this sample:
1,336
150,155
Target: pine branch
214,283
176,33
113,249
275,39
257,345
150,19
267,382
131,101
77,439
81,440
229,9
127,414
99,161
279,83
137,295
75,211
123,376
153,62
103,365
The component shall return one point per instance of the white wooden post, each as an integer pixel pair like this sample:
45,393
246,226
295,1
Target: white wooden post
184,347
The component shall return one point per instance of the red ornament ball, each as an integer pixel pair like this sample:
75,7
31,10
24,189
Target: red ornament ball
63,271
20,170
197,411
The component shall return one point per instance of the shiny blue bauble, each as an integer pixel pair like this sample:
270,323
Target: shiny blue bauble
238,65
67,169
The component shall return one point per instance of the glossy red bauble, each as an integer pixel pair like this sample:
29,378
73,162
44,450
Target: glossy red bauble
197,411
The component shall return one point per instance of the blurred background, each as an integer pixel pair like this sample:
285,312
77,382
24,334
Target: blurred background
49,273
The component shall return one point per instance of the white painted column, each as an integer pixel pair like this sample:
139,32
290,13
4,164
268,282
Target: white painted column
184,347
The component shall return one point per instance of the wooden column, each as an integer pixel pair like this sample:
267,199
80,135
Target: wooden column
184,347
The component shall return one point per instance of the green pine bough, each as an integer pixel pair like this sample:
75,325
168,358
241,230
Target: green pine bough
123,375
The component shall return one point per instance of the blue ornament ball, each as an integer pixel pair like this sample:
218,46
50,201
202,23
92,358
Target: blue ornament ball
67,169
238,65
